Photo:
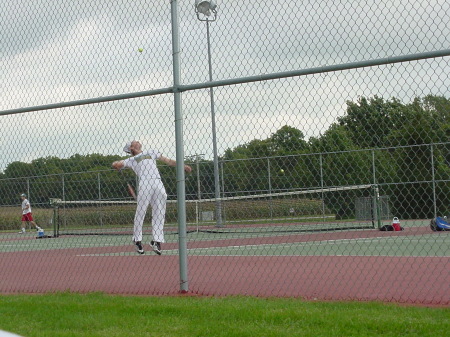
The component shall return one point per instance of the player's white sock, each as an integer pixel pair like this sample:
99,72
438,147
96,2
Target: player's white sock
23,230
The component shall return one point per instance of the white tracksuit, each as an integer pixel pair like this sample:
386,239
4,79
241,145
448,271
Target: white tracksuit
151,192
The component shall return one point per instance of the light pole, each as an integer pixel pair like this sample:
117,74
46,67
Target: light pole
206,11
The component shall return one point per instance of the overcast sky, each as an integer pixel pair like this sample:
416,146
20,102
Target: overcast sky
54,51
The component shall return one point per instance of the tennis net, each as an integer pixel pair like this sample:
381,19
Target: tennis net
309,210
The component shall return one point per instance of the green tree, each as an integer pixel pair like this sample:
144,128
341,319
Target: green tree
338,163
425,123
370,121
288,141
18,169
252,174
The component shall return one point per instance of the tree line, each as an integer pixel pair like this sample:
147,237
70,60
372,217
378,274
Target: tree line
408,143
407,166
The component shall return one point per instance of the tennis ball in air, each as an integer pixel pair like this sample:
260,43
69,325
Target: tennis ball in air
140,50
281,171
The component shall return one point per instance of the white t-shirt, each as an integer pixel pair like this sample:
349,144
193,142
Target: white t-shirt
24,204
144,165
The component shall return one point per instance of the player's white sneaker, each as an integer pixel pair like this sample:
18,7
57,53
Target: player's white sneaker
156,247
139,248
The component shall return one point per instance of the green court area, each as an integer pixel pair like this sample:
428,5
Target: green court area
277,240
430,245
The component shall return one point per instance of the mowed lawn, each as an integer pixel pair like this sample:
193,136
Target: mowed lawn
97,314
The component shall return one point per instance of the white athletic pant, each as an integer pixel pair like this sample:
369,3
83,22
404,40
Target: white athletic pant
153,193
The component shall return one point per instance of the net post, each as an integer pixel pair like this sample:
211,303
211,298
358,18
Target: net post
376,206
55,206
197,215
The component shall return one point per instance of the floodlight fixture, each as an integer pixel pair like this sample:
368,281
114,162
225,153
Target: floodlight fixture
205,7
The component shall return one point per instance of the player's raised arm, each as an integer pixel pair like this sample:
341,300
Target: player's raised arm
173,163
118,165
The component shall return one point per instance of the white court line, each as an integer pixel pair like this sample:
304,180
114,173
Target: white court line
62,246
173,252
309,243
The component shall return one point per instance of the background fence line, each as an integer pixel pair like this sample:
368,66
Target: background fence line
102,182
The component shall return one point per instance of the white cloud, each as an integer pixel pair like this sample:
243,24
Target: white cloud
56,51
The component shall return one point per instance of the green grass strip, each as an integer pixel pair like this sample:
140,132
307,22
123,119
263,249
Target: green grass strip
97,314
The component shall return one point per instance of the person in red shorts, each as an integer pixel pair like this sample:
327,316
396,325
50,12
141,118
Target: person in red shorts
27,216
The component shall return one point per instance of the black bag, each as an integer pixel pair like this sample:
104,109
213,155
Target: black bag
389,228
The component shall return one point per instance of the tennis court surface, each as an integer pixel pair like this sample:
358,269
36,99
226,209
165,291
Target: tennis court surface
291,260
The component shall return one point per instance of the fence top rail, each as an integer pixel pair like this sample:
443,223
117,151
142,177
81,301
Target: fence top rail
235,81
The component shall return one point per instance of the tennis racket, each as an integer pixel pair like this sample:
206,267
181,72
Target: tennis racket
130,188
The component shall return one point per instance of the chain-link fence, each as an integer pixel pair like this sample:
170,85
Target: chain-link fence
306,127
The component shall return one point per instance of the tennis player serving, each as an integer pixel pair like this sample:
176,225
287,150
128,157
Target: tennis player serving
151,191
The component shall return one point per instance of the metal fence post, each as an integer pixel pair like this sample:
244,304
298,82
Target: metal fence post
321,185
433,180
181,184
270,188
